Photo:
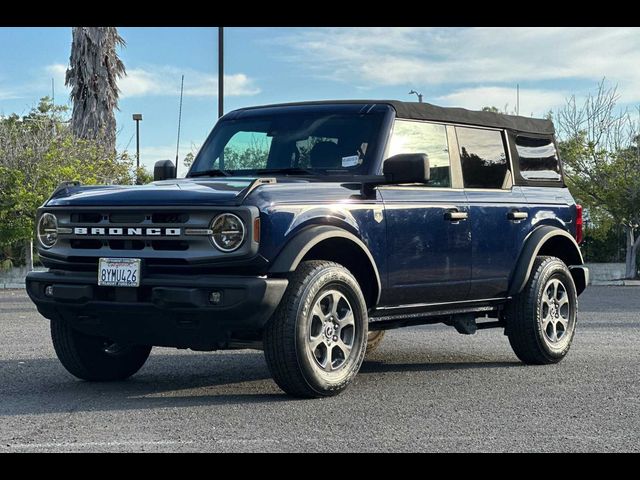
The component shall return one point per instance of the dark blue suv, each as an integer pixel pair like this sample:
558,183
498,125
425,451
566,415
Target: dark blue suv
309,229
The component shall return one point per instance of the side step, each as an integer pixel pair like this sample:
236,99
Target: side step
464,320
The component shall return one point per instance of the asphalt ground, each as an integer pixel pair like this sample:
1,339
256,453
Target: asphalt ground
426,388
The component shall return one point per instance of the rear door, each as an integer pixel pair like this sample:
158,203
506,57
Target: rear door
498,214
429,249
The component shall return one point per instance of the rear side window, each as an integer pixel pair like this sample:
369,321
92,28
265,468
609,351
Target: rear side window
538,159
483,158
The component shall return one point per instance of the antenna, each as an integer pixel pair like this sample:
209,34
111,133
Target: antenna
179,120
517,99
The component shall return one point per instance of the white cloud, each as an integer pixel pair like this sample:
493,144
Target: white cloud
8,94
422,57
165,80
532,101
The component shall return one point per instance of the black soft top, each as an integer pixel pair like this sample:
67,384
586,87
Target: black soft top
427,111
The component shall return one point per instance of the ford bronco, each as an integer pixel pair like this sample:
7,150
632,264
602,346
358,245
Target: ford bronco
309,229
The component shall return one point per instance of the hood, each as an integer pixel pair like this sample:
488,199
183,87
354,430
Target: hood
184,191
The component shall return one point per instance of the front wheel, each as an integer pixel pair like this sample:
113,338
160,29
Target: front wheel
315,342
95,358
541,320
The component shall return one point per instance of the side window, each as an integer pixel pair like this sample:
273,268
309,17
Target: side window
246,151
483,158
429,138
538,159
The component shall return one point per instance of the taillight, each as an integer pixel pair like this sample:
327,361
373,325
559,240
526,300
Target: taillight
578,223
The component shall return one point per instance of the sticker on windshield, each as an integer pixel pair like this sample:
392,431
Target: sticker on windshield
351,161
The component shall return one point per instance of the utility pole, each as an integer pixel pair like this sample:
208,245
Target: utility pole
53,92
220,71
137,117
638,135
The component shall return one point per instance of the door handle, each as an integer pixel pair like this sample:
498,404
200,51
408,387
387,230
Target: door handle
455,216
517,215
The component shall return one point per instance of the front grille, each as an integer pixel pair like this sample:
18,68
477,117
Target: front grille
126,244
169,217
158,237
86,217
170,245
129,234
127,218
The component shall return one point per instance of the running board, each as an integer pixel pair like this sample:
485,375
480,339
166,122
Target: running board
463,318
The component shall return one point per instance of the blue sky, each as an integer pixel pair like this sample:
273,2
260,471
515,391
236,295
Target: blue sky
468,67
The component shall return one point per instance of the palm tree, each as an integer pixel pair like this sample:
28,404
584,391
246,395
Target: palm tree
93,73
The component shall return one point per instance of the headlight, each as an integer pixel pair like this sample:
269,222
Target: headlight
227,232
48,230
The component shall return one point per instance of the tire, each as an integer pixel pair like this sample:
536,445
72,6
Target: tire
373,340
95,358
307,355
541,320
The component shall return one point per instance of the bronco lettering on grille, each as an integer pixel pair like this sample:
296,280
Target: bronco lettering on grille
126,231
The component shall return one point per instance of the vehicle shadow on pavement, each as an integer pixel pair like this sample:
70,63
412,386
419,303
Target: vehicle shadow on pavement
42,386
376,366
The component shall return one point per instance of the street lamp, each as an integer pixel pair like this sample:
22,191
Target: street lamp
137,117
412,92
220,71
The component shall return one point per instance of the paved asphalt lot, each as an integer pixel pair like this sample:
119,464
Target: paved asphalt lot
426,389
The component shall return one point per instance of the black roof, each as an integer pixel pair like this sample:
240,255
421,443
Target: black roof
427,111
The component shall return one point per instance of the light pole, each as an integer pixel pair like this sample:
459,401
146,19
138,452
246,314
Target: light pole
137,117
412,92
220,71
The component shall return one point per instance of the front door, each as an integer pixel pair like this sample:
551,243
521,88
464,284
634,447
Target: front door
428,235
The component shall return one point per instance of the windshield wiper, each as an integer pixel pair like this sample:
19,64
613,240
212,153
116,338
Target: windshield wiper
210,173
287,171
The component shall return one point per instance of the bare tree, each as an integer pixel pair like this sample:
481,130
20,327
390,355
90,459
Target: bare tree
599,146
93,73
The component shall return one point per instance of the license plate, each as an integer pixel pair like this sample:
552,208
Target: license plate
119,272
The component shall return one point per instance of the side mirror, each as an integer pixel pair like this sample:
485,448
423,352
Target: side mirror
164,170
407,168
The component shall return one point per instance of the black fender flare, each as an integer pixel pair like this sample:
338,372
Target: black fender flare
533,245
294,251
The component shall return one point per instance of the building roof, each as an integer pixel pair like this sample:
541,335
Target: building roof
427,111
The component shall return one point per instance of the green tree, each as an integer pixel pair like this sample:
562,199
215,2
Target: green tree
37,153
601,154
93,76
188,160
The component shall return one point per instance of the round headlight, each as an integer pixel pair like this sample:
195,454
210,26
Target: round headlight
227,232
48,230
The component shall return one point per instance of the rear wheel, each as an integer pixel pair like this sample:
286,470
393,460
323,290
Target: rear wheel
541,320
95,358
316,340
373,340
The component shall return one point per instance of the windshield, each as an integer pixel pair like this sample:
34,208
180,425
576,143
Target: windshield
308,143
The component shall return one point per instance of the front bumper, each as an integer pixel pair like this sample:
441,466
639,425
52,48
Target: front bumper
166,310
